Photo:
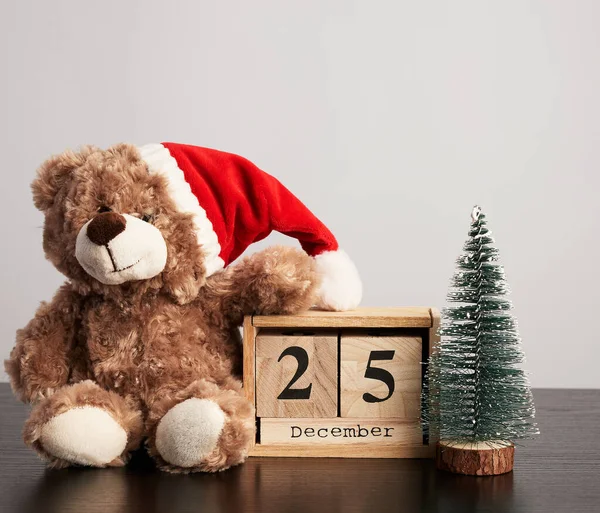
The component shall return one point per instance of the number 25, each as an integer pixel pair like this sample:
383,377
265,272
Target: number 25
379,374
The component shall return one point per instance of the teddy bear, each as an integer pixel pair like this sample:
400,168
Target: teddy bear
141,345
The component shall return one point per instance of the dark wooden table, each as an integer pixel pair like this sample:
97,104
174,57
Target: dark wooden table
559,472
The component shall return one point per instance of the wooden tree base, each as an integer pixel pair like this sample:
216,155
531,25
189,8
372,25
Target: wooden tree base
475,458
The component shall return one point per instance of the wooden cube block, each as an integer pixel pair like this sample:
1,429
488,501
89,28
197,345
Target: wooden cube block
296,374
340,431
380,375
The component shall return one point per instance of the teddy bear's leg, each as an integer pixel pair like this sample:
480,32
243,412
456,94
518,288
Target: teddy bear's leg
84,424
204,428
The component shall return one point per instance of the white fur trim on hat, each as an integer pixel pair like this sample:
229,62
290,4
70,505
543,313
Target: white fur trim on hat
341,288
159,161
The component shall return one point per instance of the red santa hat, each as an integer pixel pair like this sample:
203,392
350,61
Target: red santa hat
234,204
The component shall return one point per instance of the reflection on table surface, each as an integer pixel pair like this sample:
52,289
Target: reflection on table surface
267,484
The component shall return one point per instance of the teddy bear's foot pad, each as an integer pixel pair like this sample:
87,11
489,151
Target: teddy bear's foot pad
189,432
84,435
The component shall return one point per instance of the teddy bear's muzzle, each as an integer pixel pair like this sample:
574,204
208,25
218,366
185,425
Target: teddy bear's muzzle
117,248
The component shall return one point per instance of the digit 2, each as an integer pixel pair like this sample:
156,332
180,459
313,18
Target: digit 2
302,358
379,374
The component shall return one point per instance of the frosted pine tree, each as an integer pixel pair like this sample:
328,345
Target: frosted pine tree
477,391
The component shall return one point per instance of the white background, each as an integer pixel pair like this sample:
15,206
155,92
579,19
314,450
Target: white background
389,119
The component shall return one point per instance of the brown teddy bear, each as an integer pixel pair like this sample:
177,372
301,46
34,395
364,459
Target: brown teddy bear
142,341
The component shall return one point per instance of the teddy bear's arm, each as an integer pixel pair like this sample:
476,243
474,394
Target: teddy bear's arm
39,362
277,280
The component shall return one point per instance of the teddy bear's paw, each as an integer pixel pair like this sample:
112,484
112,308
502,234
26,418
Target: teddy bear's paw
85,435
189,432
284,279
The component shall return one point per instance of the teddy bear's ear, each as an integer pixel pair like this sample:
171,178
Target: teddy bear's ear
53,174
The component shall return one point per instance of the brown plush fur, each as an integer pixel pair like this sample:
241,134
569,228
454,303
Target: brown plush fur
145,345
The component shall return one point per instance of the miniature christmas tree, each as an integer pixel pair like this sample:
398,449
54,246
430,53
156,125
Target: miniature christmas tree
478,398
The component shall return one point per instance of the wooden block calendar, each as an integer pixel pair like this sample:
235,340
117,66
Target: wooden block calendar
339,384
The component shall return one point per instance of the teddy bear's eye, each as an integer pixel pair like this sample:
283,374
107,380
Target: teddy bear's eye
103,208
148,218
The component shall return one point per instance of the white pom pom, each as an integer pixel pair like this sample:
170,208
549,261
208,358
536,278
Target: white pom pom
341,288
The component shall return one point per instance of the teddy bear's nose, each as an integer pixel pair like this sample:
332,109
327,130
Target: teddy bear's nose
105,227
